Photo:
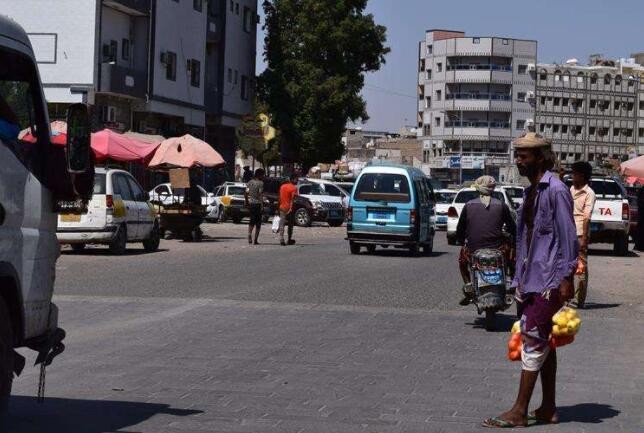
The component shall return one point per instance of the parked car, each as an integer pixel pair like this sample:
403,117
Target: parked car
332,189
165,194
515,192
230,201
303,207
610,221
119,213
326,207
444,199
391,205
347,186
465,195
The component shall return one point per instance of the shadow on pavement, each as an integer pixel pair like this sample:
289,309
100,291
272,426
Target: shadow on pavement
398,252
596,306
106,252
62,415
609,253
587,413
504,322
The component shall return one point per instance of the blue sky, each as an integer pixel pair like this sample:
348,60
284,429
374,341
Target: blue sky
563,29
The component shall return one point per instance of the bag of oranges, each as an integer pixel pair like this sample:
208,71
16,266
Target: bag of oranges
565,325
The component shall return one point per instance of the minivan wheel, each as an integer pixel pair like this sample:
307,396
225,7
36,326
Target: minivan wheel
151,244
6,357
302,218
428,248
354,248
371,249
119,243
620,247
413,250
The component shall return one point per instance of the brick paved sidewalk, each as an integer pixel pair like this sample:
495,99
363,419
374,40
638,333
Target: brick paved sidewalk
169,365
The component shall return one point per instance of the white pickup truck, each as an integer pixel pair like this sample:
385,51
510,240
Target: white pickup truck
611,215
36,180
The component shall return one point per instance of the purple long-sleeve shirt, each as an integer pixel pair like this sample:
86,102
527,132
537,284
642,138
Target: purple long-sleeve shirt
554,247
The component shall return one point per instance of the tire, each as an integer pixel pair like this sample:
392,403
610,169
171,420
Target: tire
490,320
151,244
197,235
371,249
222,215
354,248
237,219
429,248
335,223
302,218
119,243
78,248
413,250
451,240
6,358
620,247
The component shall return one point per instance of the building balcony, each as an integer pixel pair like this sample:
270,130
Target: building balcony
478,124
130,7
478,102
123,81
480,67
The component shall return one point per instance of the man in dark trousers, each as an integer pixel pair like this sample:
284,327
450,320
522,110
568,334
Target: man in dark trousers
254,203
547,251
639,233
480,226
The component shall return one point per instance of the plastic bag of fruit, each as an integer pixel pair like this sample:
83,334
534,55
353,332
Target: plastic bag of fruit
565,325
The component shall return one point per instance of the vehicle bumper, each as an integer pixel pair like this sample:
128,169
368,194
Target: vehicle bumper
236,211
86,236
371,238
323,215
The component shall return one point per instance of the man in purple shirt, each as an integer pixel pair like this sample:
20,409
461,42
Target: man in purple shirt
547,250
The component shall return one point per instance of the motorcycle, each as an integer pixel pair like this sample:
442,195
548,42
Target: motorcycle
489,290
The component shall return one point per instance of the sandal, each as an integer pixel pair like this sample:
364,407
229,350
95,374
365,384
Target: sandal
532,417
497,422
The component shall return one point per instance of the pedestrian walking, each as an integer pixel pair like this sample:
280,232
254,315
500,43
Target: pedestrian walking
254,203
248,174
639,232
584,200
547,250
288,192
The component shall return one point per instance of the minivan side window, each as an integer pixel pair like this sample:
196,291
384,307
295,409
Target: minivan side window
137,191
121,187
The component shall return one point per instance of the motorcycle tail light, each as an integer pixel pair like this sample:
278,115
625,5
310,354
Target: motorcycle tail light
452,212
626,212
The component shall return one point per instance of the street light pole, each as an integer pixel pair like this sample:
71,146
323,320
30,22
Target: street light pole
460,165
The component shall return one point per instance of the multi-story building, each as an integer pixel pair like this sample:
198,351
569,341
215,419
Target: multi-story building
155,66
590,113
473,99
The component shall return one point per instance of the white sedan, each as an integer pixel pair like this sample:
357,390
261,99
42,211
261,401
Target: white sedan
165,195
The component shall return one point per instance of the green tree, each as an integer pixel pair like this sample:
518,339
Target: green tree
317,53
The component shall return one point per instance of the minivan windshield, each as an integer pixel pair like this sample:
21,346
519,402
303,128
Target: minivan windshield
383,187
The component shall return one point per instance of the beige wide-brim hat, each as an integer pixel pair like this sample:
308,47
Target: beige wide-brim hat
531,140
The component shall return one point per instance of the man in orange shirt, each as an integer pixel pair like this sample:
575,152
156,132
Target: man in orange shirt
288,191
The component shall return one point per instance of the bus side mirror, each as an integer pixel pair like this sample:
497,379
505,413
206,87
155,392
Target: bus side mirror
78,139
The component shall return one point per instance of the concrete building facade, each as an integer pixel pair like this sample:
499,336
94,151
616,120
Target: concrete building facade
164,67
590,113
473,99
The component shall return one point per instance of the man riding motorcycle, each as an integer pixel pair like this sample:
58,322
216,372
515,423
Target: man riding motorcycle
481,226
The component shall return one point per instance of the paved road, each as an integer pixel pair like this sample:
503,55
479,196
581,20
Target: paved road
223,337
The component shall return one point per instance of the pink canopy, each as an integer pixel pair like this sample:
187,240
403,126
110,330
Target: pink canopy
185,152
633,170
108,144
58,133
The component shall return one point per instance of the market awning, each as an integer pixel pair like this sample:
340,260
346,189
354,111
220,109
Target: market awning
633,169
185,152
108,144
58,133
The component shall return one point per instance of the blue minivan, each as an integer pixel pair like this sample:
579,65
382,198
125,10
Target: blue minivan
391,205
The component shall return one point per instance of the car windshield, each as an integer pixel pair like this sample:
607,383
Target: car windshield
465,196
514,192
236,190
383,187
99,183
445,197
605,188
314,189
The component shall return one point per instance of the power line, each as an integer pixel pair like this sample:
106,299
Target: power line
390,92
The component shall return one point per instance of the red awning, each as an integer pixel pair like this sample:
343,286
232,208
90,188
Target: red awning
185,152
108,144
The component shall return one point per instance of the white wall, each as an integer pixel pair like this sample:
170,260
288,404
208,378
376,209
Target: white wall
188,41
240,56
72,24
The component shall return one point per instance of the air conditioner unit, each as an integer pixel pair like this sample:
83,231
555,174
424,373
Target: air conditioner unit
109,113
165,58
529,122
532,67
530,95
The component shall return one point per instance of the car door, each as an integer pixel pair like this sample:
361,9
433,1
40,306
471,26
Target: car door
423,210
144,210
431,203
122,189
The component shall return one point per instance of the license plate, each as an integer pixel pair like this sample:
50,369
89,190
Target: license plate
442,219
595,227
334,213
380,215
70,218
